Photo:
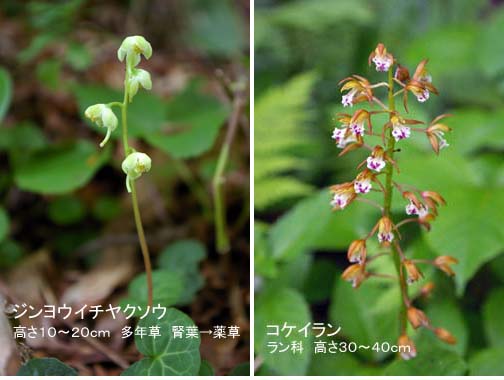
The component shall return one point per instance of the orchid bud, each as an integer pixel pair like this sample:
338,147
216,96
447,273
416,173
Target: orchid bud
445,336
138,78
132,47
427,289
417,317
413,272
355,274
134,166
407,347
402,73
357,251
103,117
444,262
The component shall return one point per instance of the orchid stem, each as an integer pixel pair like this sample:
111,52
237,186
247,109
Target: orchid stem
388,201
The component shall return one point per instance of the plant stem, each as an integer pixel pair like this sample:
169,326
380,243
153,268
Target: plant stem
219,213
195,187
218,179
388,201
134,200
143,243
124,115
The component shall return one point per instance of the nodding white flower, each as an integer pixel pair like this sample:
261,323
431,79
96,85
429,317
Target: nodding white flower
138,78
407,348
376,160
355,274
381,58
362,183
103,117
132,47
343,195
134,165
359,90
357,251
385,235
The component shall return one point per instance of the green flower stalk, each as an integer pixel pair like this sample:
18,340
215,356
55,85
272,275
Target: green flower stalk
135,163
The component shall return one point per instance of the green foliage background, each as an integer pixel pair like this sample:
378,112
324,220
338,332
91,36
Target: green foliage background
302,49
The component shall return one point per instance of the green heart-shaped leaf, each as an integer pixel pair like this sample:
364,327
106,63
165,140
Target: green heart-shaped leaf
166,355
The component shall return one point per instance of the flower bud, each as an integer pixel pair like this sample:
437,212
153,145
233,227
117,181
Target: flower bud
427,289
138,78
103,117
355,274
132,47
402,74
134,166
444,262
413,272
417,317
445,336
407,349
357,251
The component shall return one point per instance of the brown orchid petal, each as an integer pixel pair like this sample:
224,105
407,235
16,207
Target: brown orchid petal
440,117
420,69
434,142
349,148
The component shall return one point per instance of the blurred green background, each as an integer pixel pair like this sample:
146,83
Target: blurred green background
66,223
302,49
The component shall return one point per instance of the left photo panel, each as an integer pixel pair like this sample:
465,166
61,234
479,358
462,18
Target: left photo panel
124,188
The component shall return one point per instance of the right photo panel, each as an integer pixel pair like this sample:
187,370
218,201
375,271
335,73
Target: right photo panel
379,188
